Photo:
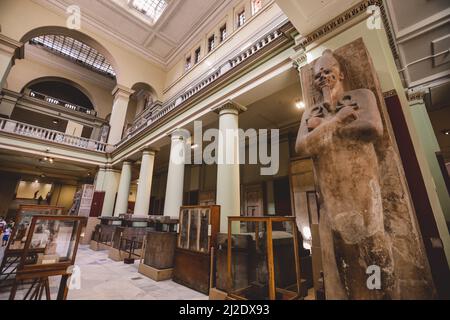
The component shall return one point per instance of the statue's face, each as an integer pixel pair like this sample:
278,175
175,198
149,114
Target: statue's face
327,73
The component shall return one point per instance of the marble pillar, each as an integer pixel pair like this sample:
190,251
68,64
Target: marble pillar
124,189
144,189
175,176
228,178
118,115
110,187
9,50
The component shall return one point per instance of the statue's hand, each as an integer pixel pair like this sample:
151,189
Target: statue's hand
313,123
346,115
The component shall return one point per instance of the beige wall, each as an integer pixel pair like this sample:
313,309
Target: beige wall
8,184
27,70
177,78
27,189
62,196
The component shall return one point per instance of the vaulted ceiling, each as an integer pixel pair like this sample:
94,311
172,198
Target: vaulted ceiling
162,42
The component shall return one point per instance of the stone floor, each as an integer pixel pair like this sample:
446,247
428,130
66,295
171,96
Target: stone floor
104,279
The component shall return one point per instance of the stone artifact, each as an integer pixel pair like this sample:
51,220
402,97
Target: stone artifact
366,216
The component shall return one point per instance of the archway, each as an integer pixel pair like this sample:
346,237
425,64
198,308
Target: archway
75,35
63,89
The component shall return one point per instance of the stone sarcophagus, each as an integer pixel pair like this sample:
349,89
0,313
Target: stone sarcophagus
367,220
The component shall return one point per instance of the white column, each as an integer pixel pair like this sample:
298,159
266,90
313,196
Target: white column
74,128
228,180
8,52
110,186
175,176
119,112
8,103
124,190
100,179
144,189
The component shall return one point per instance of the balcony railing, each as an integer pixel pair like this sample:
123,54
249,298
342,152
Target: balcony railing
220,70
44,134
62,103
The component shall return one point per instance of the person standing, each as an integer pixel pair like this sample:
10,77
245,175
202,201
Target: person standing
6,235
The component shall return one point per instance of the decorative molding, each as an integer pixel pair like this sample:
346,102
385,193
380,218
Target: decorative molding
344,18
122,91
390,93
300,59
230,105
416,95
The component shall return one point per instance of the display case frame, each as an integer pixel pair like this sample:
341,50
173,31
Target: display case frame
12,255
192,266
40,272
268,220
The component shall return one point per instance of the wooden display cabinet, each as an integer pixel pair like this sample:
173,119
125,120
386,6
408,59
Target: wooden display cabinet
50,250
263,264
197,235
158,251
14,249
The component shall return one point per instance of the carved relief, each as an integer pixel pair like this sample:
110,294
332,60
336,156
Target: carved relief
367,215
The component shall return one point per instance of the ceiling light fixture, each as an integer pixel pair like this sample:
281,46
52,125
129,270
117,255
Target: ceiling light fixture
55,121
446,132
300,105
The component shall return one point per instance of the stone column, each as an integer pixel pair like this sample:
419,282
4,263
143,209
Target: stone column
119,112
430,146
110,186
144,188
8,103
175,176
100,179
124,189
228,179
9,50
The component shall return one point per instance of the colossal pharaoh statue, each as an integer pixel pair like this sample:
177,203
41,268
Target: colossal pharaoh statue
340,131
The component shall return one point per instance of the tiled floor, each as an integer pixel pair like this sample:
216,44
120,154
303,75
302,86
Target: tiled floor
104,279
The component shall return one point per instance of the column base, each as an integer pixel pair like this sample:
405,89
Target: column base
155,274
216,294
117,255
96,246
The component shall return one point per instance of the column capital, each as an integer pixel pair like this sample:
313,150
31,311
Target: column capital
179,134
230,107
122,91
10,46
416,96
299,59
149,151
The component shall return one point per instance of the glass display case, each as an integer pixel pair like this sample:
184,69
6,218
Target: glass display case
49,251
14,249
195,232
263,264
54,239
197,235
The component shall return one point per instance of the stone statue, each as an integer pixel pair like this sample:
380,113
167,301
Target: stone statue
367,219
339,134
